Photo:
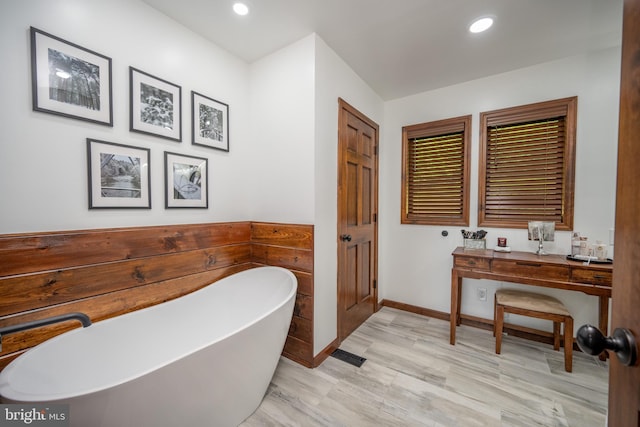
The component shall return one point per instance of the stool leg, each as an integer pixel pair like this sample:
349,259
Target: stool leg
568,344
556,336
499,325
495,315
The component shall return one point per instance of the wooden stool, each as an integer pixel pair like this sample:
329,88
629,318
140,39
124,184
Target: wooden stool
535,305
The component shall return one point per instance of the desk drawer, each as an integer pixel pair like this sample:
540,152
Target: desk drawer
596,277
531,269
475,263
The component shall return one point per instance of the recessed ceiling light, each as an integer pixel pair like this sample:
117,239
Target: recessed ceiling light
480,25
241,9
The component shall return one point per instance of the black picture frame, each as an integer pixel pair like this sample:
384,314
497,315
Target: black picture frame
186,181
209,122
119,175
155,106
70,80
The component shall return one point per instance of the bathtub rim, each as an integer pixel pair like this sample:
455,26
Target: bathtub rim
22,396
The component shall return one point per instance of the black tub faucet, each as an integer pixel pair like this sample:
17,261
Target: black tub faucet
83,318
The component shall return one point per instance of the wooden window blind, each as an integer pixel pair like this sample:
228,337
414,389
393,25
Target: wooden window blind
527,165
435,172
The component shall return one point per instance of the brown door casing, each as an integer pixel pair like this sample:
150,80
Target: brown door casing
357,218
624,382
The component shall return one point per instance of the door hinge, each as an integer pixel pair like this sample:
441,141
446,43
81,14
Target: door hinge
375,217
375,150
375,284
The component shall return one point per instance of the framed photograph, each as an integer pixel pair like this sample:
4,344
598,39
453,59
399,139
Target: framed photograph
186,181
70,80
119,175
210,125
155,106
541,230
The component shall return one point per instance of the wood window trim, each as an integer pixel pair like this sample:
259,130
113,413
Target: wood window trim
430,129
566,107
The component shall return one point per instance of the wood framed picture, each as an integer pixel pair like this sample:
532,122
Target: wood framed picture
186,181
119,175
155,106
69,80
210,122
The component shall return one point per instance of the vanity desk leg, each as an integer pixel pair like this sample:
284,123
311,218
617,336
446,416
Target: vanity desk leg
603,321
456,295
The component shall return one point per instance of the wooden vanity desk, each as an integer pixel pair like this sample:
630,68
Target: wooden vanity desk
527,268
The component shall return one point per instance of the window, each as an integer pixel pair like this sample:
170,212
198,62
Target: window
527,164
435,172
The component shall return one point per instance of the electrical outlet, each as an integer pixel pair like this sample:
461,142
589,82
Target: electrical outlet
482,294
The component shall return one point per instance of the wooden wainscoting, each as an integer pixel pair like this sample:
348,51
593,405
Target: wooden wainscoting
108,272
291,246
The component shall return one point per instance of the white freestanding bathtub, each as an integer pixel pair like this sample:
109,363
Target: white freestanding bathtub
204,359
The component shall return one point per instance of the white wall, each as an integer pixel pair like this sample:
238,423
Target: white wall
334,79
279,157
43,166
294,153
415,261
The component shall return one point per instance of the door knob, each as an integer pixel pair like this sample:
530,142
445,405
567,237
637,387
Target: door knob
345,237
622,342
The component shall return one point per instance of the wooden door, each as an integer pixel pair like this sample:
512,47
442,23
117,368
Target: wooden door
624,382
357,218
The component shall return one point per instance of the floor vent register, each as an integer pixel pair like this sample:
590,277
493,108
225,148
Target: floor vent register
350,358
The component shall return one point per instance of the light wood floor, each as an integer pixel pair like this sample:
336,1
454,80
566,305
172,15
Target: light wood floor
413,377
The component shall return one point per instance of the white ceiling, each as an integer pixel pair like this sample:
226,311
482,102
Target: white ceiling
403,47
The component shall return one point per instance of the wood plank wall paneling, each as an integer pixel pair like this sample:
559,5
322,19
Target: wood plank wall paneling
109,272
291,246
39,290
27,253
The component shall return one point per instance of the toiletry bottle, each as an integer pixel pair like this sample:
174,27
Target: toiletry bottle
584,247
600,250
575,243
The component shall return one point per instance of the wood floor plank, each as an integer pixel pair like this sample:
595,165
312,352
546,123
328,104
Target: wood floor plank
414,377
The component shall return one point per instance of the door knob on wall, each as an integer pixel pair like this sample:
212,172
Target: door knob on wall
622,342
345,237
